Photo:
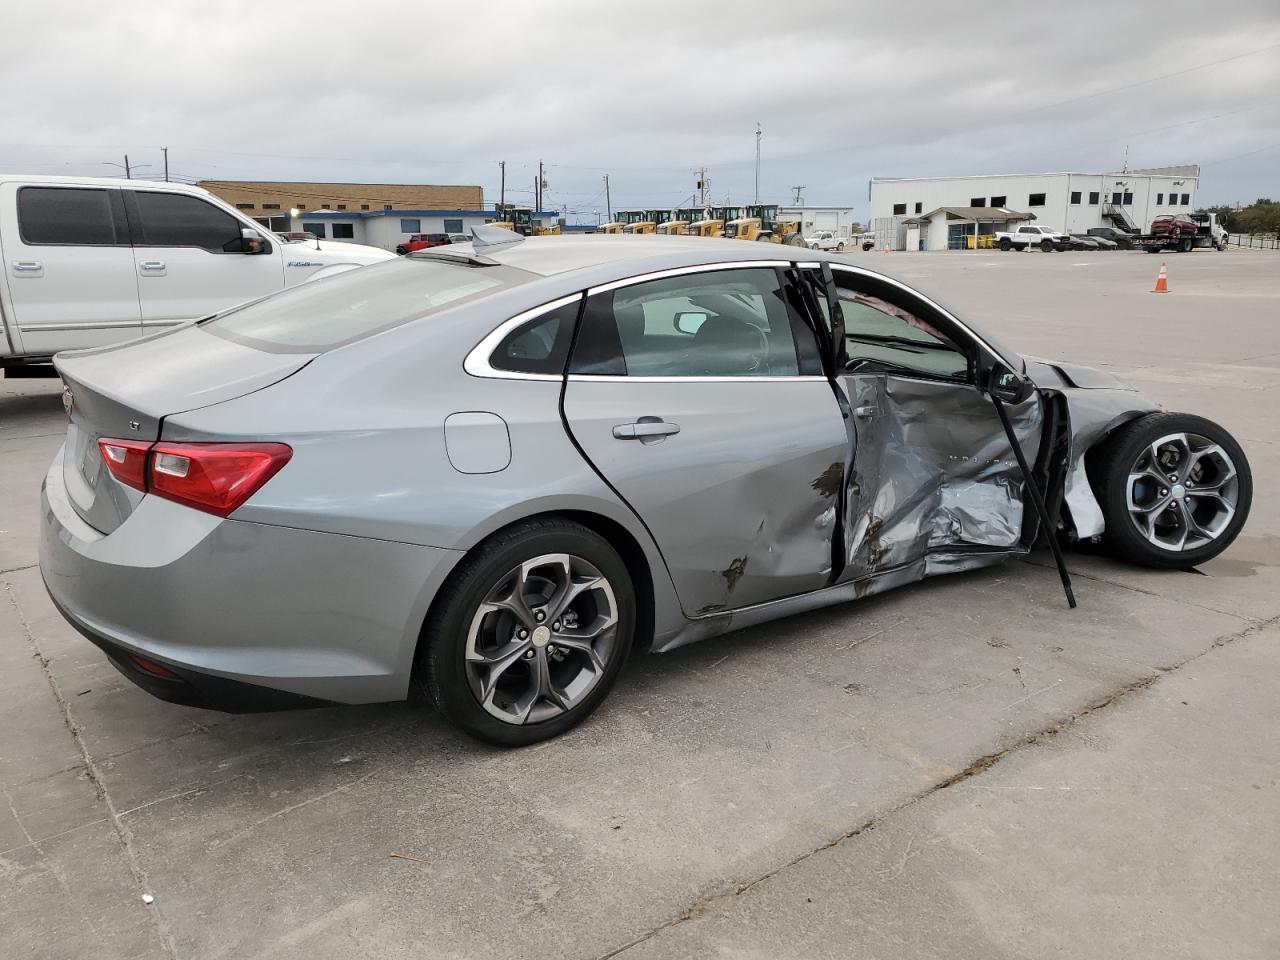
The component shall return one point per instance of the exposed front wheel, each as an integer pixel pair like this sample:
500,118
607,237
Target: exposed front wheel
1175,490
530,633
1046,246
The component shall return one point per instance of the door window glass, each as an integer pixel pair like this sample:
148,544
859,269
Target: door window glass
67,216
176,220
884,337
721,323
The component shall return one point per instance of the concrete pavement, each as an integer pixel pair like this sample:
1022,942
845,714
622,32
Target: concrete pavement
723,785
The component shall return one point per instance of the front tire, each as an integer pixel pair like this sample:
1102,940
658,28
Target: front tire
530,633
1046,246
1175,490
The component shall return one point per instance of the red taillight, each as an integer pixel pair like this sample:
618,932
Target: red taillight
127,461
214,477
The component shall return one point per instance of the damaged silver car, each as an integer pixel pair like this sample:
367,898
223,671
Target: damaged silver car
482,474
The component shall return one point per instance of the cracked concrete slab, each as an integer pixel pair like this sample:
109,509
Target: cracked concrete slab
1088,843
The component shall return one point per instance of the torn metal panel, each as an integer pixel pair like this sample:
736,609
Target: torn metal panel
932,470
1097,403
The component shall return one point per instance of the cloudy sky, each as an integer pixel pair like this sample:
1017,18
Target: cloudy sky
643,91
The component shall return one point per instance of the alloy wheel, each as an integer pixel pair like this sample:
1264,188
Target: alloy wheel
1182,492
541,639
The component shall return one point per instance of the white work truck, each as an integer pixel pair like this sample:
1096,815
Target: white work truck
93,261
1030,235
824,240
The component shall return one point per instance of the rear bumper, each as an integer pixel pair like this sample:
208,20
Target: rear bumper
190,688
249,616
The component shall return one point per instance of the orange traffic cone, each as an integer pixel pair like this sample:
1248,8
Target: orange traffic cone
1162,281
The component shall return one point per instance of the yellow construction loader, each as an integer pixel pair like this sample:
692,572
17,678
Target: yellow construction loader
761,223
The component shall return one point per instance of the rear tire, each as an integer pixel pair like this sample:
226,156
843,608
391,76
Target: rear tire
1148,502
1186,245
839,248
401,251
465,618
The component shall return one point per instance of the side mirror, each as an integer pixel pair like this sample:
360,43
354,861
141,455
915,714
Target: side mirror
251,241
1006,386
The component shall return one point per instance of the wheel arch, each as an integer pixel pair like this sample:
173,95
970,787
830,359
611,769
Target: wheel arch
616,534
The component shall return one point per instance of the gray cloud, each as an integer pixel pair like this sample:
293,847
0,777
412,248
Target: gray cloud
385,91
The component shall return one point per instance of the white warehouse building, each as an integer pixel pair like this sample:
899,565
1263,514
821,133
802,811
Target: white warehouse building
839,220
941,213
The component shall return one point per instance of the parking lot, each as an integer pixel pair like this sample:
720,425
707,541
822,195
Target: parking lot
961,768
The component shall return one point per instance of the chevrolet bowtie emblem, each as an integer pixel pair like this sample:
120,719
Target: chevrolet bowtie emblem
68,398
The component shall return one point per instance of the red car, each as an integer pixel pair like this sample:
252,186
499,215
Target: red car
1174,223
420,241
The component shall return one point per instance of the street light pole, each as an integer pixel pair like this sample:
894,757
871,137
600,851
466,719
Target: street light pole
759,134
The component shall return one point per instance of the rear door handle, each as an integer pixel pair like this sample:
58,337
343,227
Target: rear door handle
646,430
864,413
28,268
153,267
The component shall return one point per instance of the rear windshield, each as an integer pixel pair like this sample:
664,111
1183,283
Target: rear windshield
323,314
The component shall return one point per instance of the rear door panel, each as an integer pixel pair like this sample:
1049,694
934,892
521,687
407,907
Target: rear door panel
742,500
67,295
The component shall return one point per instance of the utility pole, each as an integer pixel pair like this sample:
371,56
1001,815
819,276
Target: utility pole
798,201
128,174
608,204
759,134
502,188
537,205
539,184
165,151
702,187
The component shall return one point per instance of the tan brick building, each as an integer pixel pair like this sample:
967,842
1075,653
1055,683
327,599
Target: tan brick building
269,199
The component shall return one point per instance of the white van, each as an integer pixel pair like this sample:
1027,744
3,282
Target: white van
91,261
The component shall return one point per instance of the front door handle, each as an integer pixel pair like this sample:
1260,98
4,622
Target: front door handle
152,267
28,268
646,430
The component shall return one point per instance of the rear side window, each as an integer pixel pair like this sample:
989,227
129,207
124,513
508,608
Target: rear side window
539,346
66,215
176,220
323,314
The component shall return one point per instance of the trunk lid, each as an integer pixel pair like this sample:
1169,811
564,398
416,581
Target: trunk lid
125,392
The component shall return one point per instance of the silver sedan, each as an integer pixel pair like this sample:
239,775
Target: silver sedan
484,473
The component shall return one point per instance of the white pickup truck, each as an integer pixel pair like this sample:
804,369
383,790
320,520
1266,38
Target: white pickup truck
91,261
825,240
1029,235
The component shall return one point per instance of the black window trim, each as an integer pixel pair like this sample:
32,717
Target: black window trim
115,199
